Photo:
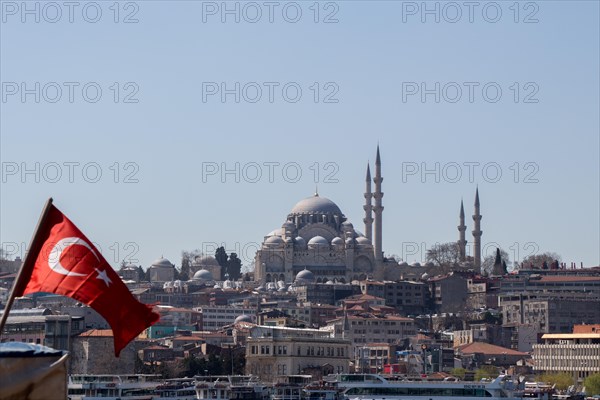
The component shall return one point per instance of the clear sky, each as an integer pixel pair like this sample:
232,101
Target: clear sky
504,95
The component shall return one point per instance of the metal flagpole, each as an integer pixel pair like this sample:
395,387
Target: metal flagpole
27,265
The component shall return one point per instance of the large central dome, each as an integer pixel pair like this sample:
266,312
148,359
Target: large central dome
316,205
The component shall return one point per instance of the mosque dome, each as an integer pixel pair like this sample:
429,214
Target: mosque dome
274,241
318,242
305,276
300,242
316,205
276,232
203,275
162,263
363,241
403,264
243,318
416,264
288,225
337,242
205,260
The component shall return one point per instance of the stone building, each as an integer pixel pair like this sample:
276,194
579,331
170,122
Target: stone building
317,235
206,264
162,270
278,351
93,352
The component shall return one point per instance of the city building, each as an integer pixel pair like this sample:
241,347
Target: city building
407,297
277,351
216,317
551,312
577,353
449,293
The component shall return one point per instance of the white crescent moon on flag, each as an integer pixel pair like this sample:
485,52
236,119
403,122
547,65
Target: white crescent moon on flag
57,250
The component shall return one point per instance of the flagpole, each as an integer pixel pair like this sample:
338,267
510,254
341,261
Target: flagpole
27,265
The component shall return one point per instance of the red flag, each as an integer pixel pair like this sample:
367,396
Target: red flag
65,262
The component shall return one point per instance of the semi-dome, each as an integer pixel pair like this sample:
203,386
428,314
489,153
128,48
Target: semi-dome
318,242
274,241
316,205
363,241
305,276
337,242
162,263
203,275
300,242
243,318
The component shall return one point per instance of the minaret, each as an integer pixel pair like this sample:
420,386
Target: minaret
477,234
378,208
368,207
462,242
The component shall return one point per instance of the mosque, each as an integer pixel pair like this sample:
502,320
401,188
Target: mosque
318,243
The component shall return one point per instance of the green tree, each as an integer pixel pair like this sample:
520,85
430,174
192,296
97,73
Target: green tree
487,372
141,273
221,257
459,373
500,256
592,384
234,267
562,380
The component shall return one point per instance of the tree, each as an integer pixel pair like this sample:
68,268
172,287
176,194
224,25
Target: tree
592,384
562,380
486,372
221,257
141,274
443,254
537,260
487,265
459,373
234,267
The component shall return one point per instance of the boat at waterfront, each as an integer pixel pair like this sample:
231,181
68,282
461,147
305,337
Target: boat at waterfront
376,387
176,389
112,387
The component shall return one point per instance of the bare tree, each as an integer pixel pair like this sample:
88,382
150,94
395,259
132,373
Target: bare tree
542,260
443,254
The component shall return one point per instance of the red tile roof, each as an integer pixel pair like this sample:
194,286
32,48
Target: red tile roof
97,333
488,349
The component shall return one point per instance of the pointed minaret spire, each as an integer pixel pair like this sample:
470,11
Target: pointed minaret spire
477,232
462,242
378,209
368,207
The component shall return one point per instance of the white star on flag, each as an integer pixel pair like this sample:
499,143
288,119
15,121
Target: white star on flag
102,275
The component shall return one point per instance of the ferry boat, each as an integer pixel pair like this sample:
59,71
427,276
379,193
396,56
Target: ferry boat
376,387
112,387
231,387
177,389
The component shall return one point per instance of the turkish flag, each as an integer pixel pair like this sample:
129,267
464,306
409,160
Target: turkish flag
64,261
